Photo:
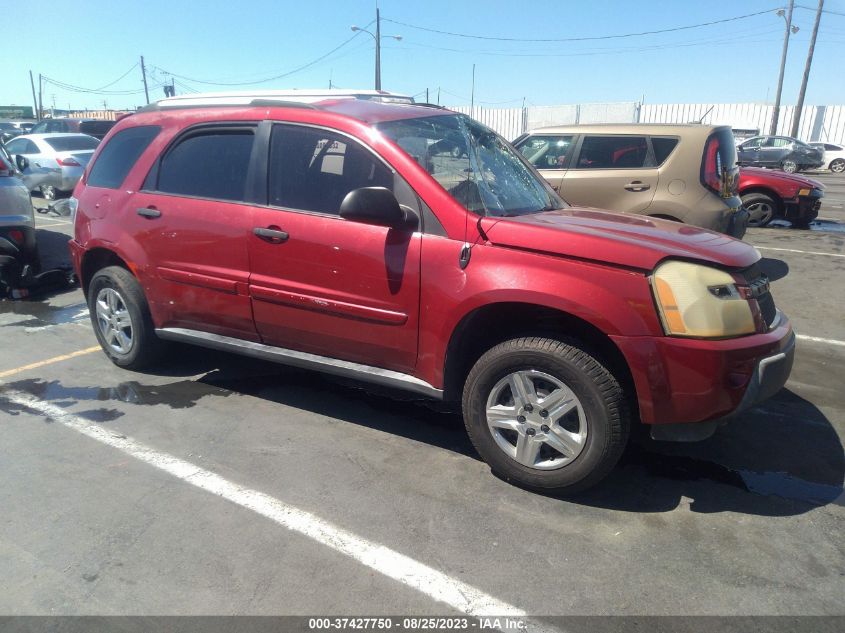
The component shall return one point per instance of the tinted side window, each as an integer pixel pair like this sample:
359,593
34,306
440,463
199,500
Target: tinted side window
39,128
120,154
72,143
547,152
612,152
754,142
313,170
210,164
832,148
662,148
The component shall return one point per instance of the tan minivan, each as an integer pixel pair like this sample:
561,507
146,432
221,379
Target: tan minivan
687,173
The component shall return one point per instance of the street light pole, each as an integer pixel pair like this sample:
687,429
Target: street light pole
377,37
793,29
378,50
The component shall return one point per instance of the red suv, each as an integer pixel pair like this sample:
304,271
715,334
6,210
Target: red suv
410,246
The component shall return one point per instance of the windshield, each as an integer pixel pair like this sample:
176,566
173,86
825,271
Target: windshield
474,164
72,143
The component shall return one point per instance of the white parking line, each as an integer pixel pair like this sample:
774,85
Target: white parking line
816,339
792,250
412,573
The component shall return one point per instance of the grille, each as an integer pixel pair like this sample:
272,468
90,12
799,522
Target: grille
759,284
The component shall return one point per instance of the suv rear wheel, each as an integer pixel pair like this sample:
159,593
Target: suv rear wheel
121,319
545,414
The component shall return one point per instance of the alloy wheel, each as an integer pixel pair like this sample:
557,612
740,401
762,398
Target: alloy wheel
837,166
536,420
114,320
759,213
48,192
789,166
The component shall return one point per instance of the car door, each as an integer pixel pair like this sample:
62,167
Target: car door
550,154
322,284
774,150
615,172
191,220
42,169
749,151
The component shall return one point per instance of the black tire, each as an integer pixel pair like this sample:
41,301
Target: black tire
145,347
598,392
837,166
761,208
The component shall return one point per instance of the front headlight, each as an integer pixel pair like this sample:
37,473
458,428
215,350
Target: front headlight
699,301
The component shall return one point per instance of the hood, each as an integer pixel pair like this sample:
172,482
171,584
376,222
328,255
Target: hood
771,174
622,239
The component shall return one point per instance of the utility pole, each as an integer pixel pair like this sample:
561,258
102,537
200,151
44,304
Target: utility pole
378,49
426,95
438,95
776,111
40,102
144,75
34,100
796,120
472,95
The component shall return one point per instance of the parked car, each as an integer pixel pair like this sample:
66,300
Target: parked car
92,127
17,219
8,131
307,234
64,155
768,195
685,173
833,156
778,152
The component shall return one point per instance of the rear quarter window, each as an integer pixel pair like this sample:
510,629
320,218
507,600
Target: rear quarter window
119,156
663,147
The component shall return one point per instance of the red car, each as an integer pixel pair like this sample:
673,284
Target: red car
767,194
348,236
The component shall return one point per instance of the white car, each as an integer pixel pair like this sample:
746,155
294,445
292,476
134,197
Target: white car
63,155
834,156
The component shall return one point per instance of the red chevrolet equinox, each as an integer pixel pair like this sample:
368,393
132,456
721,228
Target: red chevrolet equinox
410,246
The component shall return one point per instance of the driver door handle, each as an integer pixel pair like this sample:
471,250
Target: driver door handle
271,234
637,185
146,212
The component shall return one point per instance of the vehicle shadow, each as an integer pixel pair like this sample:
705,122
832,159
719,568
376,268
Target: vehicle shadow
781,458
53,248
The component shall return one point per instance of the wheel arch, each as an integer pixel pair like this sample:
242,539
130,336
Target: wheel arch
97,259
494,323
774,195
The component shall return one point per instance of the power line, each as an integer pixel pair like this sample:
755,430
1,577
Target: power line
577,39
813,9
261,81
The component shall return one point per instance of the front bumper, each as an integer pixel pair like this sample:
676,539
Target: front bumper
803,209
694,381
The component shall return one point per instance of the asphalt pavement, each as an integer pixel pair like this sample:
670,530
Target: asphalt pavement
220,485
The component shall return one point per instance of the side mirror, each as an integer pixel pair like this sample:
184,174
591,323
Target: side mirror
21,162
377,205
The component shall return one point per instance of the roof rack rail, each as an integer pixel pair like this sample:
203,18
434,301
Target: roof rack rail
278,97
430,105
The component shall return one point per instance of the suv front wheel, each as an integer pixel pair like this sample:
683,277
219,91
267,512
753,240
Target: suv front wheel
545,414
121,319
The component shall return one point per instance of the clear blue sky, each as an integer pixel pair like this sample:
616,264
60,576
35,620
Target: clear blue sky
91,43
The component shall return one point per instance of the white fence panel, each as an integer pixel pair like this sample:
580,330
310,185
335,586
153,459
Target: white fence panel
818,123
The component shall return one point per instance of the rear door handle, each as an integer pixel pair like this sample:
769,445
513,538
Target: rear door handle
149,213
637,185
272,234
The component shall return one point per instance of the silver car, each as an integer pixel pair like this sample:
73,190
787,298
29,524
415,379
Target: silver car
17,218
63,155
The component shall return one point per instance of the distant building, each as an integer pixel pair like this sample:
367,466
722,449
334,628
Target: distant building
16,112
